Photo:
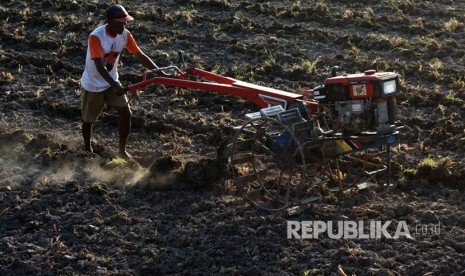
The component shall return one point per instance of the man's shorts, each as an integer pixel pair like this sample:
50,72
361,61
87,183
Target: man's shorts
92,103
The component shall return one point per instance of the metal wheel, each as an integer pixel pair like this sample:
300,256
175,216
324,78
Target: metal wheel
267,164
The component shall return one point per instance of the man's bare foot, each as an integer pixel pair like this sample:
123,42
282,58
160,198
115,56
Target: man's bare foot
125,155
89,149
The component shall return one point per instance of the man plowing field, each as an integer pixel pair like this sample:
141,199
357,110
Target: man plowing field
100,78
337,135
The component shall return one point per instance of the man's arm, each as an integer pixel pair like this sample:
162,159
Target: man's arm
145,60
116,87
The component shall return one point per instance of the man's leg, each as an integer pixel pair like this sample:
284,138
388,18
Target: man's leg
91,105
124,130
87,135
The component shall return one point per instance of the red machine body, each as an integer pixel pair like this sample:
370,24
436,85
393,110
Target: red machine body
359,86
359,102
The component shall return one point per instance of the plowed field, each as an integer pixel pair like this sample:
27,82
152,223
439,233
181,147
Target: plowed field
171,212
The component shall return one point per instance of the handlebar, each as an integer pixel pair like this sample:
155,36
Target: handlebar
171,71
161,71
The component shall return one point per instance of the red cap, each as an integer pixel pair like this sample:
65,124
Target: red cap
118,13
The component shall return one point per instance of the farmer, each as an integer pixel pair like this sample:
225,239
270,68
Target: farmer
100,78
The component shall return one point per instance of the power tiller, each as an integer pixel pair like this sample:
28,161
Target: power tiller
336,136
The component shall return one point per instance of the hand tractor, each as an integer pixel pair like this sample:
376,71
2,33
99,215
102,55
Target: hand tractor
336,137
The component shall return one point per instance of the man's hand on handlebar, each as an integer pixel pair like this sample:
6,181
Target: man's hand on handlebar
118,89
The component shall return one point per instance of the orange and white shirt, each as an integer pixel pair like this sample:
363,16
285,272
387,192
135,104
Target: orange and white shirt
103,45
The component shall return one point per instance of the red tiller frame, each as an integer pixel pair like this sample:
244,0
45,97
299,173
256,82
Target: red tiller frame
217,83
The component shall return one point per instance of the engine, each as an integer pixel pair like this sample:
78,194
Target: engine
358,103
